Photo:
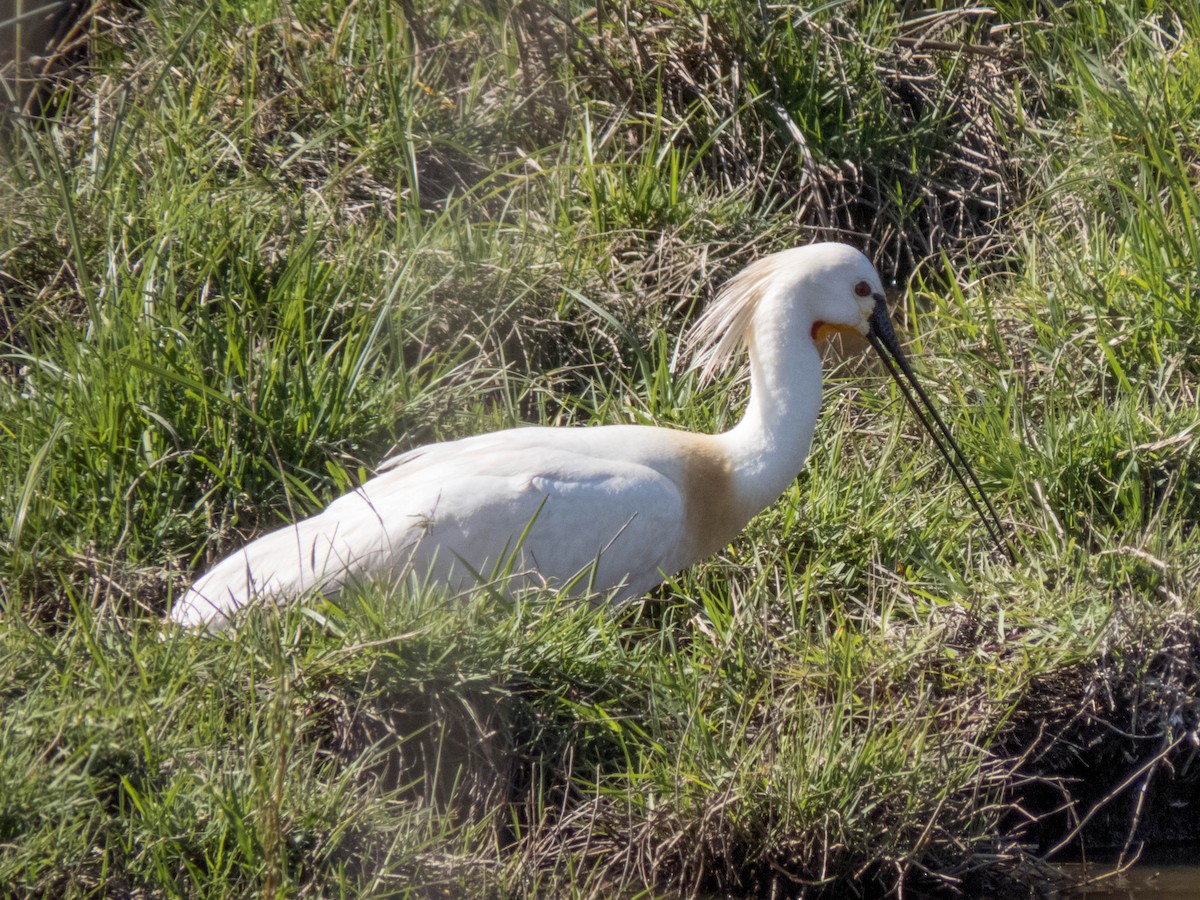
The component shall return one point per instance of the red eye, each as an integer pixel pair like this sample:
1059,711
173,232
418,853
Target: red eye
863,289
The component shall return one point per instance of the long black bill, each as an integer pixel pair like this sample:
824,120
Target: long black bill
883,338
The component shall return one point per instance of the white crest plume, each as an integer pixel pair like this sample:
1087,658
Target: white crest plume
727,325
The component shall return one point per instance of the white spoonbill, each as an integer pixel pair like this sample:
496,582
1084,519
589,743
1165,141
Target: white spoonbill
610,509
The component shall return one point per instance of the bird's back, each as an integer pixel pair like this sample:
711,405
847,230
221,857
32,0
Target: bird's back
600,509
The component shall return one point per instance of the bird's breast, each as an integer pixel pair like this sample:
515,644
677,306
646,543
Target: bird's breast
713,515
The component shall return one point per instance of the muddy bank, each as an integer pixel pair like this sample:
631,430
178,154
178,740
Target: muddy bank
1106,756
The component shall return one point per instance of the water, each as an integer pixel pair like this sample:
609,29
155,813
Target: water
1143,882
1166,875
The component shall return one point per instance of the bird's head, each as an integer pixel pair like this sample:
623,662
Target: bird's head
845,295
821,290
840,289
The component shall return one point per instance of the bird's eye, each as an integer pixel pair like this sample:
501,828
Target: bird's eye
863,289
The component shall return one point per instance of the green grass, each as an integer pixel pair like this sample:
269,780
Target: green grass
251,248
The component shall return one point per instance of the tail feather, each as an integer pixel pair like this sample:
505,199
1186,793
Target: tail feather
319,553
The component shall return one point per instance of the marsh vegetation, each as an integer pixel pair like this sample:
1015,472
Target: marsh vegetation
248,249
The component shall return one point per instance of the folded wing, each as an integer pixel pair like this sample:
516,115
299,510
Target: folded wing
522,506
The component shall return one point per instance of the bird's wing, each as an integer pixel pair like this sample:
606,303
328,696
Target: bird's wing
522,502
501,444
530,502
406,458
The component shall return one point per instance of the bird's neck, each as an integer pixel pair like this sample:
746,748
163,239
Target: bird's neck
767,448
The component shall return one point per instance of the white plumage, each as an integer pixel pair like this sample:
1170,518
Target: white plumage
608,509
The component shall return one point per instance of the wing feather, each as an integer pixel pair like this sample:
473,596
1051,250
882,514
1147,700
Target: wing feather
528,502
